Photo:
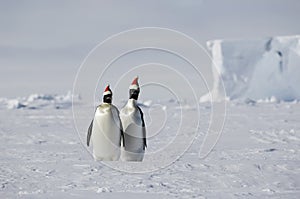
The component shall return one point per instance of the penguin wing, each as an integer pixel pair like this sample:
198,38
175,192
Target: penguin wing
89,133
122,140
144,128
144,138
90,129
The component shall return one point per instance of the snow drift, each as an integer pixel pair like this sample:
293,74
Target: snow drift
256,69
38,101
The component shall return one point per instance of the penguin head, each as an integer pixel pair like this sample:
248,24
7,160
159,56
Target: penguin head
107,95
134,89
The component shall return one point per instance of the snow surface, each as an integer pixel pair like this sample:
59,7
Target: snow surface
256,69
257,156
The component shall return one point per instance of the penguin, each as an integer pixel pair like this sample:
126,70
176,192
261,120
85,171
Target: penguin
133,123
105,131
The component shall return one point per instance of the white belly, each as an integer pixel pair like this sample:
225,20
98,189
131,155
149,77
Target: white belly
106,136
133,134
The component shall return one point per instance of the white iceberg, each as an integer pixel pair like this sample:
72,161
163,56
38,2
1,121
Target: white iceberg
256,69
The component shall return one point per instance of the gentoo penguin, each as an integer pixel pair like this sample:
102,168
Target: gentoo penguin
134,126
105,131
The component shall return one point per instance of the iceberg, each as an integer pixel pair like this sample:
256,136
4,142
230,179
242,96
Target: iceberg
255,69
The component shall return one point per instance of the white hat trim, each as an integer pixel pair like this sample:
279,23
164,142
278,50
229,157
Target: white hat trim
133,86
106,93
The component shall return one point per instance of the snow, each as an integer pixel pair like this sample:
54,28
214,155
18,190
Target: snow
257,156
256,69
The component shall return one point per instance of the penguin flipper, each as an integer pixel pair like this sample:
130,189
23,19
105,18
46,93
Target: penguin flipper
144,138
89,133
122,138
144,128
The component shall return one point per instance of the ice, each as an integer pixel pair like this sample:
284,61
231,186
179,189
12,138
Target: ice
39,101
14,104
256,69
147,103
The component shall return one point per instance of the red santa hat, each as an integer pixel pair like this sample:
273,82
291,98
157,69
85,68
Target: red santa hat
135,84
107,91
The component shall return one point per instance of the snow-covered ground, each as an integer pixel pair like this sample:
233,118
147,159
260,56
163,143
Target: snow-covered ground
257,156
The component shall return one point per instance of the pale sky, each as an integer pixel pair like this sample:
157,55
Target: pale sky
42,43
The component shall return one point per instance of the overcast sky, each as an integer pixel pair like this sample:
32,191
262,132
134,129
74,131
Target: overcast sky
42,43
